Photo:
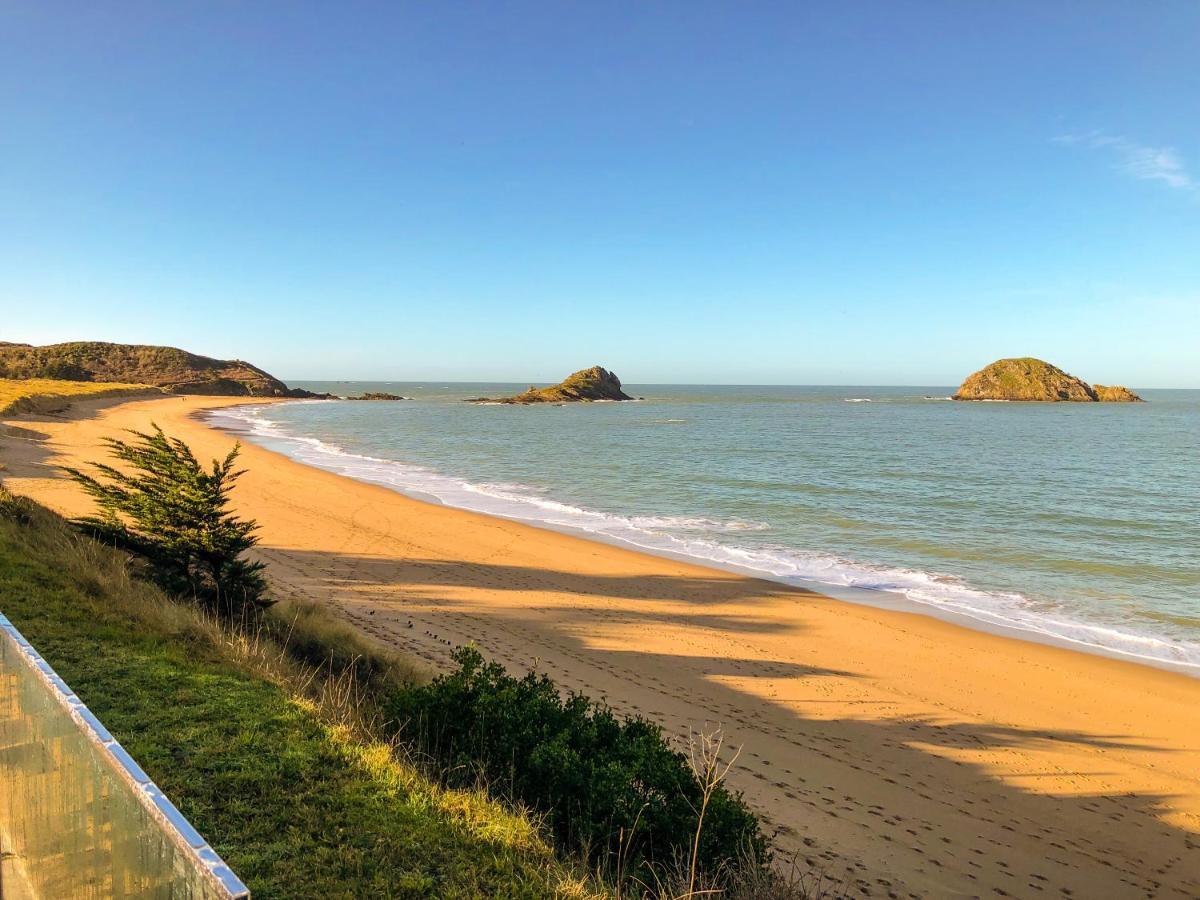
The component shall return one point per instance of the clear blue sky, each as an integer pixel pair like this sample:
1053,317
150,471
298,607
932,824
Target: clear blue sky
757,193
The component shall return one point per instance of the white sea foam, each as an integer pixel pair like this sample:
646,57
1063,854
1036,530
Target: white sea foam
693,537
858,400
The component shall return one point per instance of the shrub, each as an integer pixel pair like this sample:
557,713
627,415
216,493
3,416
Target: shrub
167,508
610,785
64,371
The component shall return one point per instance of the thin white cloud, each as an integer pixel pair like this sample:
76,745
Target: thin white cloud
1138,160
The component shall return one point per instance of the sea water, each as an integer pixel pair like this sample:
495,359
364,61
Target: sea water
1068,521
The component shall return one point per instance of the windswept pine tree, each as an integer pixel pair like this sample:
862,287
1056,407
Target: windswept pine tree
163,505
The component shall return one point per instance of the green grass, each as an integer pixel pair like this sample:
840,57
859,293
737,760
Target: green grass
297,799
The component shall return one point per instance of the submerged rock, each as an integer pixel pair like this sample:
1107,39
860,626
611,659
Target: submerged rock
1115,393
585,386
1024,378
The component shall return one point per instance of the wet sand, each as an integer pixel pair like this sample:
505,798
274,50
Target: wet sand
904,755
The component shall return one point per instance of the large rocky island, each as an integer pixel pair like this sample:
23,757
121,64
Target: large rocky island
169,369
585,386
1026,378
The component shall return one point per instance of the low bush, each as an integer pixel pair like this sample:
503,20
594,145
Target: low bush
611,786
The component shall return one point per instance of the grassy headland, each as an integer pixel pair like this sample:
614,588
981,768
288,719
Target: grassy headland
170,369
275,764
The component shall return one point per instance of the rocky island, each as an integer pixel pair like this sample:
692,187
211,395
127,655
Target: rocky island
1115,393
585,386
1027,378
376,395
169,369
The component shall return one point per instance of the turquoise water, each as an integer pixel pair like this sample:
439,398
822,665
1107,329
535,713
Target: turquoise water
1079,522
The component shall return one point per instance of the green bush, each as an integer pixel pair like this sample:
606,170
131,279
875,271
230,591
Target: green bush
64,371
166,507
612,786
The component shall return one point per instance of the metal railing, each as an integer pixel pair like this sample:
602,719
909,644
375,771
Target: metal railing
78,817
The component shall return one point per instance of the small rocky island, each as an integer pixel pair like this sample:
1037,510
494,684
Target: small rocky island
1115,394
376,395
585,386
1026,378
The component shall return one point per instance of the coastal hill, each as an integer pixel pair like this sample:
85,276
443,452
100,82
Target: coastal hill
170,369
585,386
1026,378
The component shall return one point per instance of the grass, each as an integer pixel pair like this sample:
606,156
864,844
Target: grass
170,368
46,395
274,764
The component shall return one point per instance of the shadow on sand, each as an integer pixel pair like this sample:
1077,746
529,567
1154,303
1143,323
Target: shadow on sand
861,797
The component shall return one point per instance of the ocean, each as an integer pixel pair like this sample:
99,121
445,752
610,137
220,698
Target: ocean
1078,523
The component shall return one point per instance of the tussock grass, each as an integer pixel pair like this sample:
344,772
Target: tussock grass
49,395
311,633
276,761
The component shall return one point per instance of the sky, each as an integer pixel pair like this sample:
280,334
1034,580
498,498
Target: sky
790,193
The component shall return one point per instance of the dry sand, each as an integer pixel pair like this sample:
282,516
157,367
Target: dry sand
905,755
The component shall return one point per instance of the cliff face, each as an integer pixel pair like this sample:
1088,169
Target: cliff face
584,386
1115,393
168,368
1026,378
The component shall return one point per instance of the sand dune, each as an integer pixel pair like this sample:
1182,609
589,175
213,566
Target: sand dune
907,756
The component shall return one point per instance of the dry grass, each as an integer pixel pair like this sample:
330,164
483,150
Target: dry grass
48,395
312,633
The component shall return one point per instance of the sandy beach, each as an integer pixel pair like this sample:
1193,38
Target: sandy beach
902,754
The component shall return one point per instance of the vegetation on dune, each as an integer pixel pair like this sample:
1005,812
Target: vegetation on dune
612,786
274,763
253,715
49,395
169,368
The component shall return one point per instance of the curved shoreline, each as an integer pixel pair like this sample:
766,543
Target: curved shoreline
888,748
317,453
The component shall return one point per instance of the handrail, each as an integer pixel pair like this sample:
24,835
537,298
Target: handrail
79,817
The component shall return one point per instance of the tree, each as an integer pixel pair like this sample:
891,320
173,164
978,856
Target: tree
165,506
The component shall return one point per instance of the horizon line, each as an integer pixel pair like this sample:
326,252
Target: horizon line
290,380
